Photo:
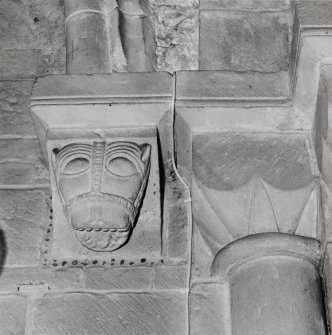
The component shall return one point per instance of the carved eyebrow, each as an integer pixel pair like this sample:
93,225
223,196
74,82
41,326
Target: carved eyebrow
73,149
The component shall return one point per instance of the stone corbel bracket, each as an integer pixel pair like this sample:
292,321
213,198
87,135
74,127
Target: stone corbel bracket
106,141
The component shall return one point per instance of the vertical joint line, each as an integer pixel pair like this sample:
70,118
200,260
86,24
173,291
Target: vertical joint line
98,154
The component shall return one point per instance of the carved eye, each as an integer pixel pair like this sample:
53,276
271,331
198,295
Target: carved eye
121,167
77,165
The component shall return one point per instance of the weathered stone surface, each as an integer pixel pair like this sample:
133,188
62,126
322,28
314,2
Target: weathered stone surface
136,278
30,63
314,13
32,38
22,162
176,216
259,5
68,279
22,217
244,42
218,85
231,160
327,275
278,288
14,107
31,24
12,316
170,276
176,37
118,314
208,310
184,3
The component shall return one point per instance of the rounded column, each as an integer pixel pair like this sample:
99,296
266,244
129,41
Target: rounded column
86,37
132,33
274,285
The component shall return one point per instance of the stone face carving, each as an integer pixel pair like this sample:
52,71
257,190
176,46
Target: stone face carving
101,186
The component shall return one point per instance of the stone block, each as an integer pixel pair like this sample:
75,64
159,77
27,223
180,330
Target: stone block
314,13
12,316
135,278
223,85
257,5
22,162
32,38
117,314
31,24
176,36
31,63
184,3
170,276
208,310
14,107
68,279
22,218
244,41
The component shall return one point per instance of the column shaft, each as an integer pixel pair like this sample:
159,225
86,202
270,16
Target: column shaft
86,37
274,284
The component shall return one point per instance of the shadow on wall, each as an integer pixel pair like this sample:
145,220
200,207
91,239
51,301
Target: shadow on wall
3,250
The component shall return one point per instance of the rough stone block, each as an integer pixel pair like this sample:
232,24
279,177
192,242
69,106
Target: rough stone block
22,162
116,314
14,107
22,217
136,278
258,5
12,316
176,37
170,276
244,42
68,279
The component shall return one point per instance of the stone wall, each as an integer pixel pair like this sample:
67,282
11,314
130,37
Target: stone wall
234,36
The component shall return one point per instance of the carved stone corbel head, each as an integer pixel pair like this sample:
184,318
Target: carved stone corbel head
101,185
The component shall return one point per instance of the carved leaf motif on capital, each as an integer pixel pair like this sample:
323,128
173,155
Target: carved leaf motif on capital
101,187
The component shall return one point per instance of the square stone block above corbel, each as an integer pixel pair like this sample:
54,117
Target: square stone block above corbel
106,141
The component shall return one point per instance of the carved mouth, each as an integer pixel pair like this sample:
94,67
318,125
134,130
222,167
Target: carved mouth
103,239
101,222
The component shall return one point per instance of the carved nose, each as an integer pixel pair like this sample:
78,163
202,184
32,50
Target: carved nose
96,213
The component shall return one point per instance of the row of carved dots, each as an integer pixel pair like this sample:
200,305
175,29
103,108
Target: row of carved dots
48,233
112,262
